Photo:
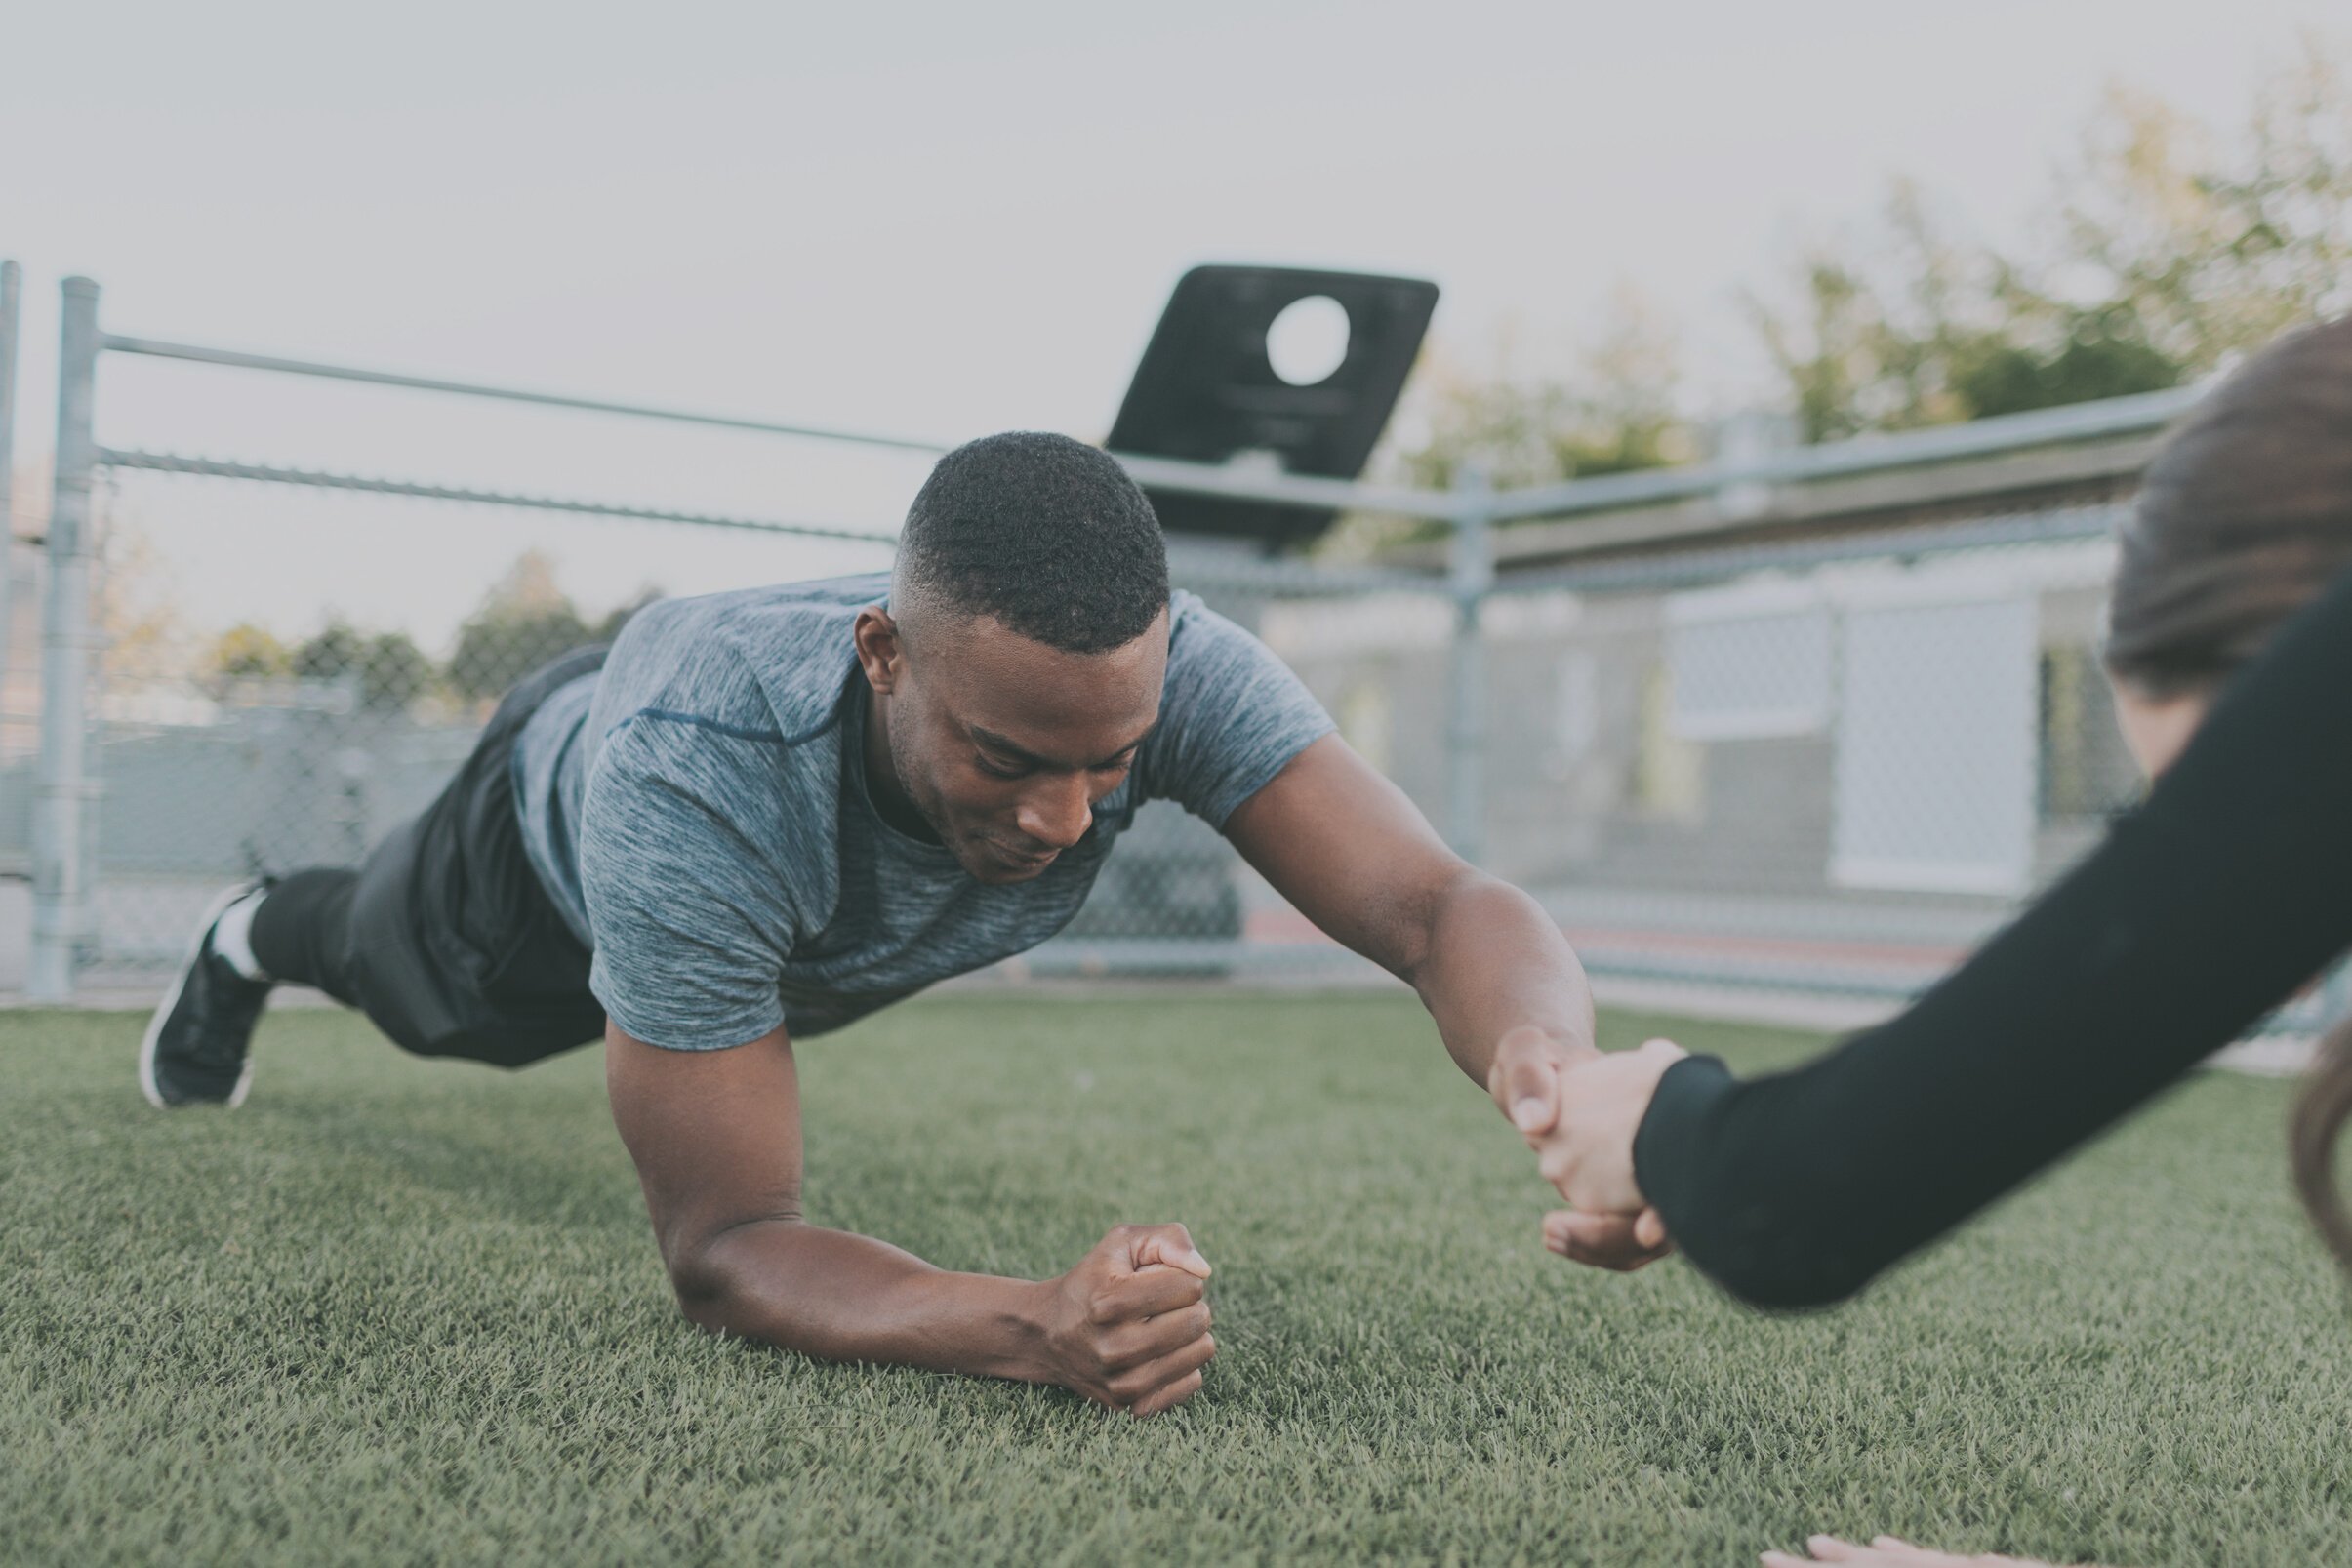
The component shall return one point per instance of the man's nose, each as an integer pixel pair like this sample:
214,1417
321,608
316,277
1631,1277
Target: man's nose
1056,813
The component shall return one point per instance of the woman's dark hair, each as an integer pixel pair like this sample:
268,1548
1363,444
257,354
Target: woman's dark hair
2243,518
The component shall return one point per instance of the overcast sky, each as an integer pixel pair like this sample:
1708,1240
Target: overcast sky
924,218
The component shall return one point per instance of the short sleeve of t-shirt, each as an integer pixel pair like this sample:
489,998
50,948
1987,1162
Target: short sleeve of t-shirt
690,936
1231,716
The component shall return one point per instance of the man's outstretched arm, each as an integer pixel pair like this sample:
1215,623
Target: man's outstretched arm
717,1140
1356,857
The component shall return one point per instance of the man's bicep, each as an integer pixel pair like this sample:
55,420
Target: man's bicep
1347,848
715,1135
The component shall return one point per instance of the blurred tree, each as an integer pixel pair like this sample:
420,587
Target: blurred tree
246,650
1617,410
143,636
2091,360
525,621
1625,414
2173,254
1857,353
2198,251
393,672
391,669
333,651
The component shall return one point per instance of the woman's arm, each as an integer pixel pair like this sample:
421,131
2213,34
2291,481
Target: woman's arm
2207,906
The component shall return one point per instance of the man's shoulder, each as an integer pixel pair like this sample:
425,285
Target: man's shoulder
766,663
1232,715
1204,644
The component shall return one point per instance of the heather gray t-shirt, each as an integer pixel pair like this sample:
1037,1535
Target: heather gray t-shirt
697,809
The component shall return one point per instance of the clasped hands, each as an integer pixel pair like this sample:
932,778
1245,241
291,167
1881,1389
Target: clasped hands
1579,1113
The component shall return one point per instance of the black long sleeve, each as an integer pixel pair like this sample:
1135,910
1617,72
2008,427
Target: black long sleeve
2207,907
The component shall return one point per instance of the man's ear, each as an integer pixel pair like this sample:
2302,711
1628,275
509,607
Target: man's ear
880,654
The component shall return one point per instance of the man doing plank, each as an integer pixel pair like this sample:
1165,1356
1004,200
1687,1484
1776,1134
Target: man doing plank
768,812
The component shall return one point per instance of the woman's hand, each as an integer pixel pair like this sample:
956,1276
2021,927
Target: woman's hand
1583,1138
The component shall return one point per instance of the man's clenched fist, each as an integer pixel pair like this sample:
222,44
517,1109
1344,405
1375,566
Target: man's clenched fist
1128,1327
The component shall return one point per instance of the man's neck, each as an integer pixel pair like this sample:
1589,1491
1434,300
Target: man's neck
890,801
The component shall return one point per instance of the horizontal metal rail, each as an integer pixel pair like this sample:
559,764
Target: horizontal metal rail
1243,483
2058,526
1274,578
1279,579
153,348
166,463
1159,473
2145,413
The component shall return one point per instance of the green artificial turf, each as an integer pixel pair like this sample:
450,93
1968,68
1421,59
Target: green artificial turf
405,1311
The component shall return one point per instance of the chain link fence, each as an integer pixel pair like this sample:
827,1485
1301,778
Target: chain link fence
1819,768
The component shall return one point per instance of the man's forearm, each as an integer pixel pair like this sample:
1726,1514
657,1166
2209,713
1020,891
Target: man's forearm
1493,961
841,1297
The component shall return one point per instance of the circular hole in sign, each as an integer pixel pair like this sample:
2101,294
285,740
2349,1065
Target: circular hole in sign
1308,340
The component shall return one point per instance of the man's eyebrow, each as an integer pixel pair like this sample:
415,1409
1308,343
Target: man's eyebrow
998,743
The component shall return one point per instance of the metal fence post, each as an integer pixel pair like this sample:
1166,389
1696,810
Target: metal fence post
60,874
12,290
1745,443
1472,562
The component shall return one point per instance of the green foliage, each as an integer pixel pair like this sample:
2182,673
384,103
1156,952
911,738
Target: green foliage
392,671
524,621
1618,410
500,645
2201,247
246,650
2000,377
395,671
2173,250
412,1309
1860,354
333,652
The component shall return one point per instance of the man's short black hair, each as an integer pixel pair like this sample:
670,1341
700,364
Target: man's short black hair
1047,535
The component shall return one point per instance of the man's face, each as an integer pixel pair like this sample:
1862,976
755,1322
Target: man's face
1004,745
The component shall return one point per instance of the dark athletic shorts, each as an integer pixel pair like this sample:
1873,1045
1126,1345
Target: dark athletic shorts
456,948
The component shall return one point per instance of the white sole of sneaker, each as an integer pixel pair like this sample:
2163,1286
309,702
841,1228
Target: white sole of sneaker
171,999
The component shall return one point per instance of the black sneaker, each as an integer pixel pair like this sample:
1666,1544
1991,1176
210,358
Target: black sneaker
198,1044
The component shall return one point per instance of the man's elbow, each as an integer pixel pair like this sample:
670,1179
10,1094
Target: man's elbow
706,1296
712,1277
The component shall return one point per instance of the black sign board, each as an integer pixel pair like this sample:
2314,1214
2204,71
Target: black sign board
1208,388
